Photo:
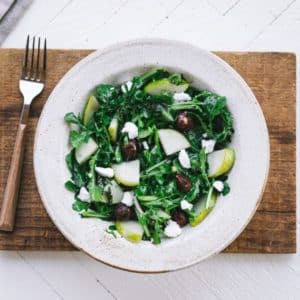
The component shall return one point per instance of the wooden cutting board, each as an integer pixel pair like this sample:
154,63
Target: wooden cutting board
272,78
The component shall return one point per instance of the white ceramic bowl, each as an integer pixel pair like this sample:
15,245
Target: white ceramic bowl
247,179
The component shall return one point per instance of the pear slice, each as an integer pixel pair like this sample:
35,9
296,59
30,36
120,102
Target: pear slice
127,173
91,107
113,129
172,141
84,151
220,162
203,208
130,230
115,191
164,85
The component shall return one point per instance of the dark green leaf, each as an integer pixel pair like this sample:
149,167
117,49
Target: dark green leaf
71,186
93,214
78,172
111,229
99,210
176,78
78,138
71,118
80,205
145,133
70,161
226,189
105,92
96,193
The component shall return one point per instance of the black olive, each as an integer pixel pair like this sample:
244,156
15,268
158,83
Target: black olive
184,122
129,150
183,182
122,212
180,217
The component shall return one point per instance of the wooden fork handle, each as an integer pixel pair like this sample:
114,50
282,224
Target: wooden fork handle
9,203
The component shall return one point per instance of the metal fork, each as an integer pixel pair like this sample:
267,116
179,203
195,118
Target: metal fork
31,84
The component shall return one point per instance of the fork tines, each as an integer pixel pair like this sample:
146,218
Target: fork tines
34,68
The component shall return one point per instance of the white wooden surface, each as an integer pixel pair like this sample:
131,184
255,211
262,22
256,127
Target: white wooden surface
211,24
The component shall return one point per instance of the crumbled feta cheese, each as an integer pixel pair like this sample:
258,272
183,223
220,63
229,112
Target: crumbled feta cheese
84,195
208,145
172,229
127,198
184,159
145,145
218,185
105,172
178,97
185,205
204,135
126,87
131,129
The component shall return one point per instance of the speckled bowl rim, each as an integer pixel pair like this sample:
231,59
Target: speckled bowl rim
227,68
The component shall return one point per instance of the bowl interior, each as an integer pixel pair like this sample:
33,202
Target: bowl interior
118,64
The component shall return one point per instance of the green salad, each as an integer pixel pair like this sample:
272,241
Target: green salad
150,155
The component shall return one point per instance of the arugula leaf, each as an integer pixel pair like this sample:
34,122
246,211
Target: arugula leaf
95,191
71,186
105,92
78,172
154,74
176,78
99,210
157,232
71,118
94,214
145,132
80,205
202,168
226,189
112,229
213,105
78,138
70,161
165,114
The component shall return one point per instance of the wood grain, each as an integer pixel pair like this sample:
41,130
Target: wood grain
272,78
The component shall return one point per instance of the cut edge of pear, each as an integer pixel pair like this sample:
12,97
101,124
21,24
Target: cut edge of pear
126,229
116,192
123,169
226,163
113,129
172,141
164,85
91,107
85,150
203,210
